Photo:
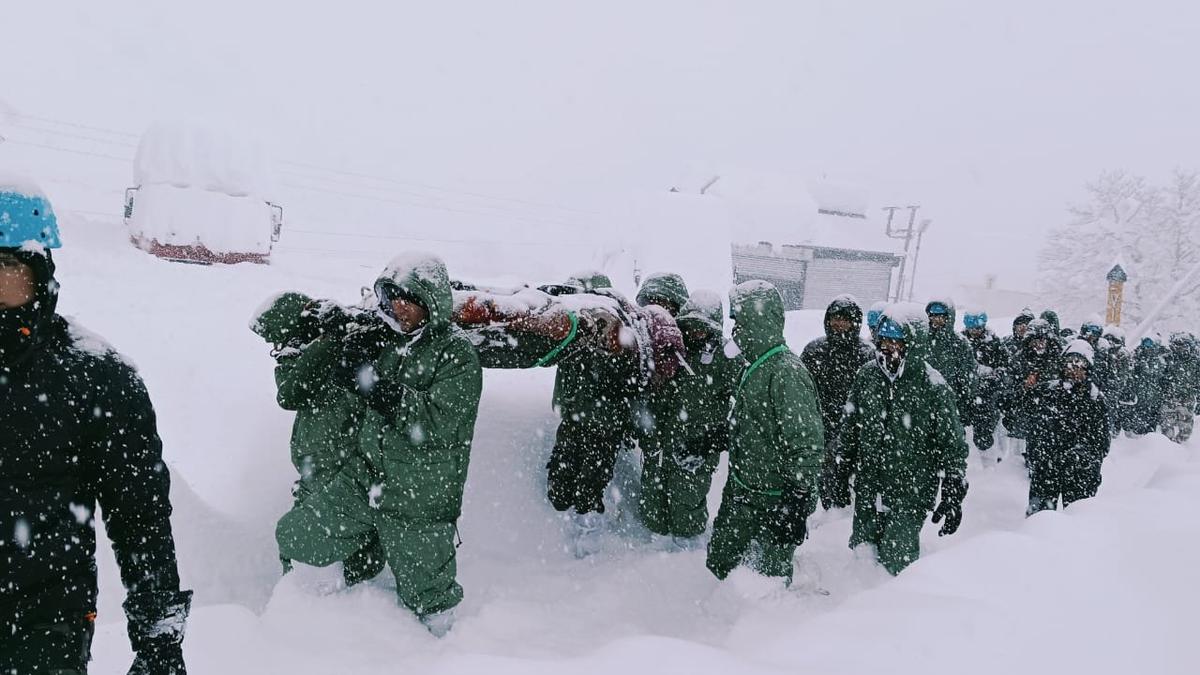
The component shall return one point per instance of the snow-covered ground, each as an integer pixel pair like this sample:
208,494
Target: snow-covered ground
1105,588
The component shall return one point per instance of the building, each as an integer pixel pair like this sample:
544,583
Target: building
813,239
809,277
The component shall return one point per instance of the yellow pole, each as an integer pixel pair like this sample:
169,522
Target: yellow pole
1116,294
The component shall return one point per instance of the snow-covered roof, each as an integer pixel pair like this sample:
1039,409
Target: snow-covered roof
788,209
196,155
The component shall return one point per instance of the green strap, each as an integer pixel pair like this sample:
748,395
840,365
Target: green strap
759,361
562,345
769,493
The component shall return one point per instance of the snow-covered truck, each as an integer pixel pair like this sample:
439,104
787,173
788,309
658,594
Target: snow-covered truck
201,196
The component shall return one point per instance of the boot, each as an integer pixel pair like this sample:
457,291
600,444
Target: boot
589,529
438,623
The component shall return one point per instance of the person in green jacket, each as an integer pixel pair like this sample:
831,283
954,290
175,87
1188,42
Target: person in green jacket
665,290
421,398
594,392
901,440
686,427
310,342
776,444
951,354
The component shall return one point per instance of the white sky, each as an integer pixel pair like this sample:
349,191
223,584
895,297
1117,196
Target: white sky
992,115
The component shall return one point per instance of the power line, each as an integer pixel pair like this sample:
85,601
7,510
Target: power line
493,242
72,151
77,125
67,134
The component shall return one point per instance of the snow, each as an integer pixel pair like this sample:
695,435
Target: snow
1082,348
1106,587
20,184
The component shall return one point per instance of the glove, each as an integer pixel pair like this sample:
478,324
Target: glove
386,397
156,622
789,517
954,490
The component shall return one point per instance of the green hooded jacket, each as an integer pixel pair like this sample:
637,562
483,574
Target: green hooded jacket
324,432
953,356
777,440
595,389
419,436
691,410
901,436
662,287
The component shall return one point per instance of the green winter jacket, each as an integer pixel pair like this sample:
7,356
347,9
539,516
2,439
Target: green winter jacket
776,433
594,389
692,409
660,288
324,432
952,356
900,436
418,429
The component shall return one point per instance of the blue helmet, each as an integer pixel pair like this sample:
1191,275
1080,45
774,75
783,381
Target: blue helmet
890,329
975,320
937,307
873,316
26,218
1091,328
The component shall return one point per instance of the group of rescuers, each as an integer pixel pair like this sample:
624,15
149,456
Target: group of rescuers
385,418
382,438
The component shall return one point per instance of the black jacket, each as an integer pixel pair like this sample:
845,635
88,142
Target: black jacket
79,430
833,361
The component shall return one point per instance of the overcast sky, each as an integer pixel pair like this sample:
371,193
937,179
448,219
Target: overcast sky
991,115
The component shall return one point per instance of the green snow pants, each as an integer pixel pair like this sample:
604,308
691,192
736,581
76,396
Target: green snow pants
675,484
895,534
337,522
581,464
742,536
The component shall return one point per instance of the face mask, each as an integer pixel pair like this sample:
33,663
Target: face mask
16,329
892,365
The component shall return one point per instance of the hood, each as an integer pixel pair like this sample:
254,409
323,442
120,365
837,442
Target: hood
424,277
590,280
1082,348
912,318
703,308
1051,317
950,306
45,298
1024,317
844,305
663,285
757,310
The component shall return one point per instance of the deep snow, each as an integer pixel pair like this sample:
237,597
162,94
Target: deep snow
1106,587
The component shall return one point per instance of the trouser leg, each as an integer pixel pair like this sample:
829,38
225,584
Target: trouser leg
423,556
56,647
900,539
330,525
654,505
733,530
689,479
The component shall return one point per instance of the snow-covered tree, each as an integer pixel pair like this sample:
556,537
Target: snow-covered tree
1153,231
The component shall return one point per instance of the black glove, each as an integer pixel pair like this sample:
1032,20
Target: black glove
386,397
156,622
954,490
789,517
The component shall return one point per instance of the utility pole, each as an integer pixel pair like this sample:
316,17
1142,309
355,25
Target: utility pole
912,276
907,235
